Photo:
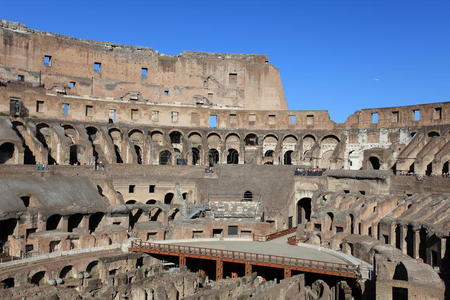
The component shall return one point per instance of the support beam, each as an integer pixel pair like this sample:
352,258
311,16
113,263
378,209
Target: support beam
248,269
219,269
182,261
287,273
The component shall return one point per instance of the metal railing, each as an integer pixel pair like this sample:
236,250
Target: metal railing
268,259
272,236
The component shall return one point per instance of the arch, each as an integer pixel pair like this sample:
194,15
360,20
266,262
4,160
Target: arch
91,131
330,139
248,196
304,210
232,157
195,156
213,157
131,202
71,133
7,283
173,214
157,137
290,139
115,134
136,135
175,137
165,157
374,163
287,158
168,198
29,157
251,140
400,272
269,153
151,201
53,222
67,272
270,139
95,220
232,138
74,221
195,138
92,267
6,152
38,278
433,134
214,140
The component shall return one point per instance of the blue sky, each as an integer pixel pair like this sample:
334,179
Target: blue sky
336,55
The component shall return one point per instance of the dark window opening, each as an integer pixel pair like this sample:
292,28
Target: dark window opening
232,230
38,278
21,77
94,221
374,163
25,200
72,84
53,222
74,221
165,157
248,196
195,156
175,137
39,106
131,188
232,157
318,226
213,157
151,188
303,210
6,152
288,157
168,198
166,93
118,157
339,229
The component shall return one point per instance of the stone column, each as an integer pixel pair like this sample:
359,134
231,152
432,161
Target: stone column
219,269
248,269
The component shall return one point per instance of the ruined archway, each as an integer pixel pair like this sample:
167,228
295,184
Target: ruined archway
232,157
303,210
6,152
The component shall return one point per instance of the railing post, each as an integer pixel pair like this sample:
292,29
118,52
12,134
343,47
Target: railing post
182,261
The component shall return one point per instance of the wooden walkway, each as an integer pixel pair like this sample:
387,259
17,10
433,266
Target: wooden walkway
249,259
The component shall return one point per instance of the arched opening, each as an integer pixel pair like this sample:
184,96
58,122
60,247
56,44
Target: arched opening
53,222
248,196
28,156
131,202
7,228
269,153
7,283
73,155
433,134
429,169
6,152
374,163
154,214
92,267
195,156
232,157
175,137
151,202
398,236
352,224
42,133
165,157
400,273
303,210
118,157
213,157
66,272
410,241
331,219
168,198
445,169
251,140
173,214
25,200
74,221
92,136
423,244
38,278
138,151
94,220
134,218
288,157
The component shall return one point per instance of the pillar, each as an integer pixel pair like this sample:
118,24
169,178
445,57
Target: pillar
416,240
287,273
219,269
182,260
248,269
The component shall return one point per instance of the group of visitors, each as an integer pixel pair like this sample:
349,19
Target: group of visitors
309,172
404,173
41,167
